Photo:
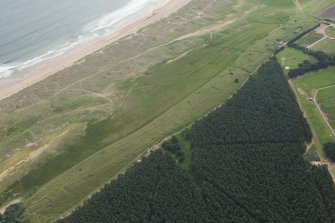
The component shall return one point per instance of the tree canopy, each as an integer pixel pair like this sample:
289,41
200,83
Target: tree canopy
247,166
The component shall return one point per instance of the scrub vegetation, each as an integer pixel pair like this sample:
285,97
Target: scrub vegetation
246,154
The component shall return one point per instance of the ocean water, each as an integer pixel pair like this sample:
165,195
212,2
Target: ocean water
34,31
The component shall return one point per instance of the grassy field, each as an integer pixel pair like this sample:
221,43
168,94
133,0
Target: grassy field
326,45
306,88
326,98
106,111
330,31
321,130
309,39
292,58
316,80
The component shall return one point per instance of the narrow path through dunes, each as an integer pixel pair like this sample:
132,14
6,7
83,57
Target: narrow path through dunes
206,30
298,6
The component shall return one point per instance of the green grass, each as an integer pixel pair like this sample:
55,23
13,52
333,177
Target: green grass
305,88
314,9
309,39
149,118
326,99
321,129
64,191
316,80
326,45
186,147
292,58
132,98
331,31
312,154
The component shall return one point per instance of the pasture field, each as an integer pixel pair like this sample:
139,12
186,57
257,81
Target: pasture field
330,31
292,58
326,45
306,87
90,122
309,39
326,98
316,80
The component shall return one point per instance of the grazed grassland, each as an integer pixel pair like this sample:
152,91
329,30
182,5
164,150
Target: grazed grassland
306,88
327,46
291,58
309,39
130,95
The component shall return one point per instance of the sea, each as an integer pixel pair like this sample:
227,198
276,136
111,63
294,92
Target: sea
33,31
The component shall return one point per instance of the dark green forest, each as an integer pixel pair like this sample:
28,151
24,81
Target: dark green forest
329,149
13,214
247,166
155,190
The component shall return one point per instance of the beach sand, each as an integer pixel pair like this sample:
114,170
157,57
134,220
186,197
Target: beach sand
43,70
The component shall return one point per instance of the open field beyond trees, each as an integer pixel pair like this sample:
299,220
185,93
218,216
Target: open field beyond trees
309,39
331,31
326,45
322,83
291,58
63,138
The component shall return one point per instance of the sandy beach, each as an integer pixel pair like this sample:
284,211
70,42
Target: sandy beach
43,70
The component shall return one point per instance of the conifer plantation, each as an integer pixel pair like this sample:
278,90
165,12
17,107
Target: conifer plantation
247,166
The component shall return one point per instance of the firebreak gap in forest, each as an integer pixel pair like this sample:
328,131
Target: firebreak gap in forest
246,166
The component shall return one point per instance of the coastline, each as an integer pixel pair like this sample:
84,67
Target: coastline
45,69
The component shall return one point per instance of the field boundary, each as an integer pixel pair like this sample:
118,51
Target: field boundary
319,108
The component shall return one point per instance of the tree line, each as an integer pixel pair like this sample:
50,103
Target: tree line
329,149
154,190
251,151
247,166
13,214
324,61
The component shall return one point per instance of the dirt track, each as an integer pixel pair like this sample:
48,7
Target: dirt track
319,108
298,6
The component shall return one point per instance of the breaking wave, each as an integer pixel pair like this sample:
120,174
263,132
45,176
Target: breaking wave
105,25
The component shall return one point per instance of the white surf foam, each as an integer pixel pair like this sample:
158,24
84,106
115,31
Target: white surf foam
110,22
103,26
6,71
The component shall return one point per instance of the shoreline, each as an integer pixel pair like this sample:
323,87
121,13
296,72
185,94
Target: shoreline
11,86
